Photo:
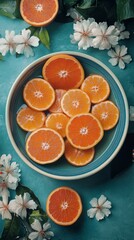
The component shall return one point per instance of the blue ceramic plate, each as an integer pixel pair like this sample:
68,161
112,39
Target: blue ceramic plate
106,150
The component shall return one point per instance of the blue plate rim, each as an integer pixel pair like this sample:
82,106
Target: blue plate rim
7,117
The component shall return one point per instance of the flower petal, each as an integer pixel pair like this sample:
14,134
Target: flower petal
107,204
94,202
31,205
121,64
101,200
33,235
99,215
113,61
106,212
36,225
123,50
91,212
127,59
77,36
28,51
33,41
111,53
18,39
46,226
20,48
3,41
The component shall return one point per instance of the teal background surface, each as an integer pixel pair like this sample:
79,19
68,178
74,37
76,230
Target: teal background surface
119,190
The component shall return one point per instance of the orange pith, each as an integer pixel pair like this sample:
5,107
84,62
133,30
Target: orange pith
107,113
63,71
58,122
56,107
78,157
74,102
84,131
45,146
38,94
96,87
39,12
64,206
29,119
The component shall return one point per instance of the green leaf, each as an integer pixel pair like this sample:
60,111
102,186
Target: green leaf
44,37
38,214
11,228
22,189
70,3
7,8
17,9
125,9
1,57
87,4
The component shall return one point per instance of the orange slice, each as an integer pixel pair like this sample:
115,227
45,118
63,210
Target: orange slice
39,12
84,131
29,119
107,113
63,71
58,122
74,102
45,146
78,157
64,206
56,107
38,94
96,87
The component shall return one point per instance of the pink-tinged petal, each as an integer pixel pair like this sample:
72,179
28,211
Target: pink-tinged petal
104,44
121,64
3,41
99,215
19,39
36,225
33,41
78,27
101,200
96,31
91,212
106,212
94,202
77,36
113,61
28,51
123,50
33,235
96,42
6,215
111,53
127,59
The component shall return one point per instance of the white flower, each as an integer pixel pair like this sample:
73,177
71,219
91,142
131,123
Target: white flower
72,12
131,113
20,205
119,56
7,43
121,27
105,36
4,209
9,170
5,186
40,233
100,208
83,33
24,42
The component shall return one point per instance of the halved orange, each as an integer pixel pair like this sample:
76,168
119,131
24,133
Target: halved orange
74,102
96,87
84,131
45,146
78,157
29,119
56,107
107,113
63,71
38,94
64,206
58,122
39,12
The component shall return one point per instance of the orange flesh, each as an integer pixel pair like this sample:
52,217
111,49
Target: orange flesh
38,94
45,146
56,107
96,87
64,206
107,113
38,12
76,156
84,131
63,72
29,119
